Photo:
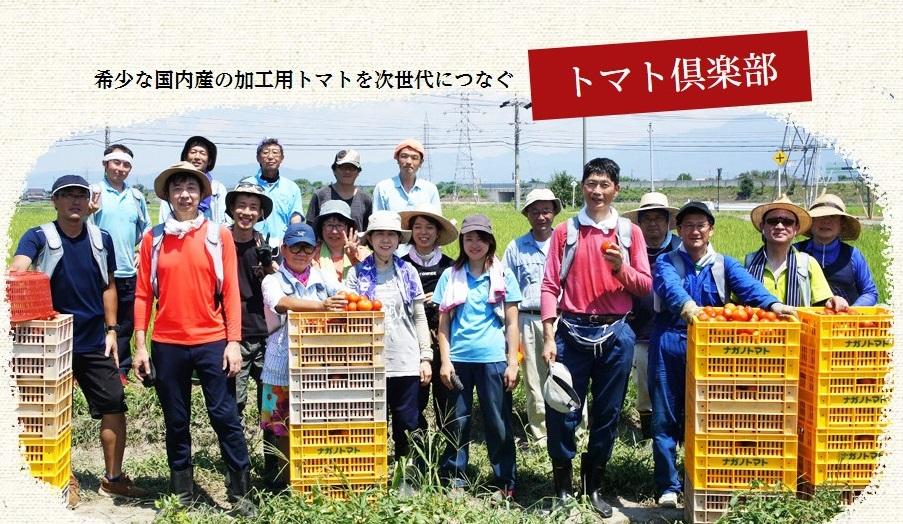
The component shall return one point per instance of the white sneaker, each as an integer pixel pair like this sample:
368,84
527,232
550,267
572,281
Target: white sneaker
668,500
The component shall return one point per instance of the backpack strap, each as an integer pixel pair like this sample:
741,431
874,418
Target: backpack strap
52,253
718,275
100,253
215,249
157,242
625,238
141,204
570,248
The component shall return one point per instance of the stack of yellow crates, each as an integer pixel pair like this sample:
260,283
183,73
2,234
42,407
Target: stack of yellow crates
42,372
741,411
337,402
844,361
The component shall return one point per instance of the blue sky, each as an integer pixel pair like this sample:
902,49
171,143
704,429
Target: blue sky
696,142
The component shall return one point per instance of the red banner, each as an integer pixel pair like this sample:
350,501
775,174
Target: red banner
670,75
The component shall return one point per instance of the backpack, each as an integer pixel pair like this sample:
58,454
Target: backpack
624,231
141,204
214,248
717,274
50,256
274,325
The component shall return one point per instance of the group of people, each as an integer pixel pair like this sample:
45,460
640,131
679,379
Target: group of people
585,303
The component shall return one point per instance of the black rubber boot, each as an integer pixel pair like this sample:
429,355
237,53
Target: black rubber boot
273,478
237,485
562,485
646,424
592,486
181,483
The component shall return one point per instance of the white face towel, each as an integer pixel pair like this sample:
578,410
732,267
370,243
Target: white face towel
180,229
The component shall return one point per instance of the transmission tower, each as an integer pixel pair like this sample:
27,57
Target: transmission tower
426,146
802,161
464,171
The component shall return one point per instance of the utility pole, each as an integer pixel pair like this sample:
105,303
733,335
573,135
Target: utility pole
718,185
106,137
517,105
651,172
426,145
464,162
584,142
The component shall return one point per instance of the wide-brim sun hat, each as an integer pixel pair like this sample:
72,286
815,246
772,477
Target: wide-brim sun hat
386,221
541,195
558,390
828,205
246,188
653,201
802,216
176,169
447,234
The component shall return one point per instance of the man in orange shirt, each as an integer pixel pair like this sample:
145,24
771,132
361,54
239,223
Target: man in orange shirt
192,271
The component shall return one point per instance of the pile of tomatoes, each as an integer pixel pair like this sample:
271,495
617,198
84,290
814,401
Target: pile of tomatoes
850,311
734,313
360,303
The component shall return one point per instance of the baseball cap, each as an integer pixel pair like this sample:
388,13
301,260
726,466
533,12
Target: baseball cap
558,390
70,181
298,233
476,223
347,156
695,207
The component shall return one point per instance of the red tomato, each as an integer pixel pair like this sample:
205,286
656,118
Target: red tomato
720,318
353,297
740,315
351,306
608,245
364,304
703,317
770,316
377,305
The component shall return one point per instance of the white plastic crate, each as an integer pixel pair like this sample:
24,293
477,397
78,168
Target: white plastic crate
336,410
358,382
32,392
339,350
42,332
42,349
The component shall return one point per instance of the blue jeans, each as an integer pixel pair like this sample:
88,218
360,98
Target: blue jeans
403,395
495,403
174,364
609,367
667,384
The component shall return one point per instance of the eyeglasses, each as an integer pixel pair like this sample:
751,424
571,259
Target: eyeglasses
784,221
299,248
73,195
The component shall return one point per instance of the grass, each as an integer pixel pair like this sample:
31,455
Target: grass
629,473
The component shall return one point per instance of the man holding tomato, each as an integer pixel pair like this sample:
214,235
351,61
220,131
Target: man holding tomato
686,282
596,264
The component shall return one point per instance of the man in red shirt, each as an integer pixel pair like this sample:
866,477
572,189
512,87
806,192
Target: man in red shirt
597,262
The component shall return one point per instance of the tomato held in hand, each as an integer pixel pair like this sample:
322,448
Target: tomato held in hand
351,306
608,245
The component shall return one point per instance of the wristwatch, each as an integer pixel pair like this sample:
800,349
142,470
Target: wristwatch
113,327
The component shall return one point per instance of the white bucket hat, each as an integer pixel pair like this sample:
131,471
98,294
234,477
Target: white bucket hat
541,195
385,221
559,391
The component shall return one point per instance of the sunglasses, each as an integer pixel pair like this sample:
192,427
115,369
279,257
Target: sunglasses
784,221
301,248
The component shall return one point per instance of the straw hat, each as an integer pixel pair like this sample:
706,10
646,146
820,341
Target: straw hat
178,169
828,205
802,216
650,201
541,195
385,221
248,188
448,233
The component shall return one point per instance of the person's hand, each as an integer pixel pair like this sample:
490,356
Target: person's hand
428,298
426,372
94,202
614,257
784,310
838,304
335,303
232,359
549,351
510,377
445,373
689,311
111,347
264,253
352,245
140,362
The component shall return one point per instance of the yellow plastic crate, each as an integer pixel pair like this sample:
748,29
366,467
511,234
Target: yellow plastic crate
735,350
838,343
839,456
333,439
845,389
818,412
49,460
338,491
732,461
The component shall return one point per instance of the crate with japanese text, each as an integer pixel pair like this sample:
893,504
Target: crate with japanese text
860,340
741,406
819,412
734,350
733,461
49,459
334,439
839,456
42,349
